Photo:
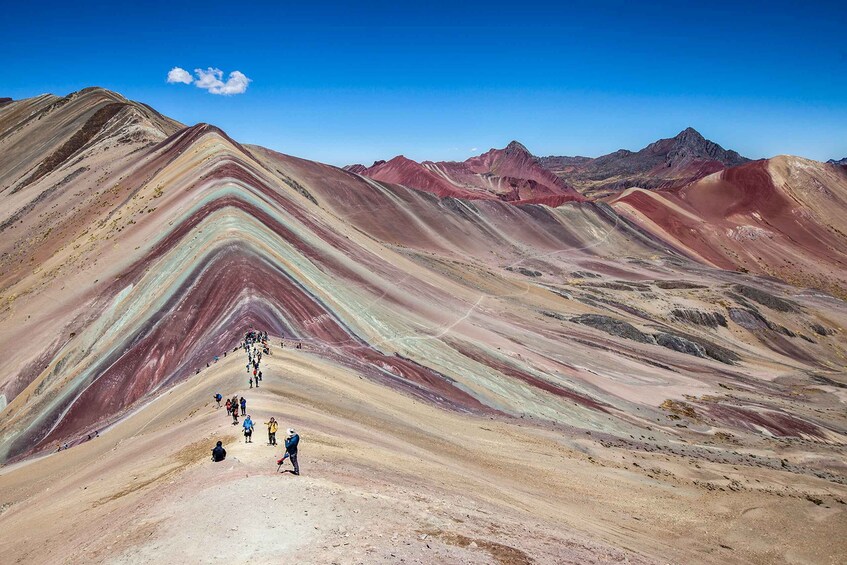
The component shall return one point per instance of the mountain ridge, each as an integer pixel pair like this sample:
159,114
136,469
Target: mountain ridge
666,163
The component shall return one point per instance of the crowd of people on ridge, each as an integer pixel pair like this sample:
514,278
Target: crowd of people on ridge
255,345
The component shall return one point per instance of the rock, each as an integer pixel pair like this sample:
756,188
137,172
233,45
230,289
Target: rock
765,299
529,272
613,326
555,315
680,344
708,319
584,275
712,350
748,319
820,330
674,285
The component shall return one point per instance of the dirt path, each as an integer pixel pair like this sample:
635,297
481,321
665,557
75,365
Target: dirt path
387,479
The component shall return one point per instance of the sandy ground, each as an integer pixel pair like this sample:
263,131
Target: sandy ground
389,479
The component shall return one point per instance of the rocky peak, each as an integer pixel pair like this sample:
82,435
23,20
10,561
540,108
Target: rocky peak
516,147
690,145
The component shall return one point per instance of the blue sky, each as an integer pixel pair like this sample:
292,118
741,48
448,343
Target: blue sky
345,82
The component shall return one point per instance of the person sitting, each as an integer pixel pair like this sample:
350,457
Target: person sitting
218,452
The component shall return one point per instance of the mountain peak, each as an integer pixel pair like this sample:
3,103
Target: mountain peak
690,134
516,147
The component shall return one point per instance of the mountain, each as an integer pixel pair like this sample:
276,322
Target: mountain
511,174
666,163
41,135
841,162
515,175
782,217
629,372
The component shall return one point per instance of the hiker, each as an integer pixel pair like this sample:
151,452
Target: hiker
234,414
228,407
273,426
260,375
218,452
291,450
218,398
243,406
248,430
250,380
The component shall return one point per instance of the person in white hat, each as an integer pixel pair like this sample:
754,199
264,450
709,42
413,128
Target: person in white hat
291,442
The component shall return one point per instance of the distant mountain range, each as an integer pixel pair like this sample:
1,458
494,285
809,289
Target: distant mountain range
666,163
514,174
842,162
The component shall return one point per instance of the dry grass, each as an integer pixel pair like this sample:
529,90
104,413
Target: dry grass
501,553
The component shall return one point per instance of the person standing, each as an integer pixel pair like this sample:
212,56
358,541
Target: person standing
228,407
291,443
250,380
218,398
273,426
243,406
248,430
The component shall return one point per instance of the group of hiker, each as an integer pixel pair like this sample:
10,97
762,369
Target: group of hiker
69,444
291,443
255,344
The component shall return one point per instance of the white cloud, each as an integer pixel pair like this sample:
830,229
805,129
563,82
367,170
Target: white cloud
211,80
474,149
178,75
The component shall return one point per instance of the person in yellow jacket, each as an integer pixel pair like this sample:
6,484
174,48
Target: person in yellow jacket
273,426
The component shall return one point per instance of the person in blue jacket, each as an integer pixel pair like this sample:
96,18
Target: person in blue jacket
291,450
248,430
218,452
